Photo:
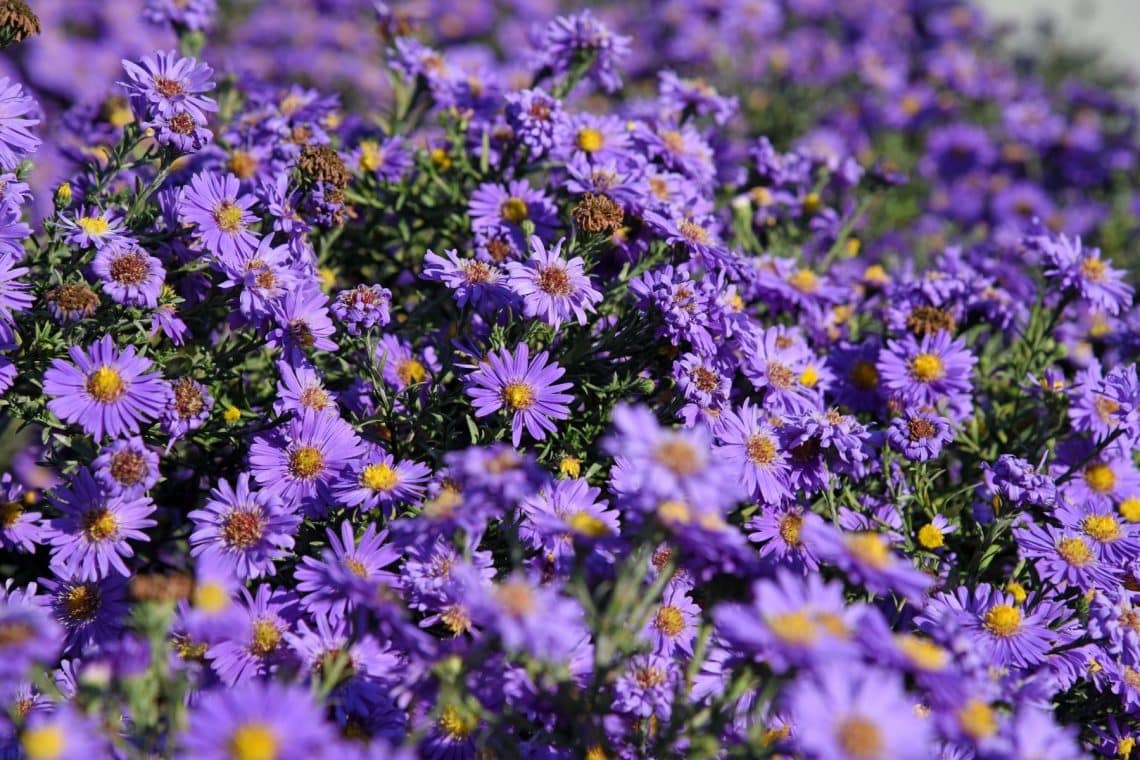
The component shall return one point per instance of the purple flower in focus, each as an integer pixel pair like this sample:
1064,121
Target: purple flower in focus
753,445
525,388
126,466
934,370
918,435
325,584
223,218
243,530
167,84
552,288
129,275
18,113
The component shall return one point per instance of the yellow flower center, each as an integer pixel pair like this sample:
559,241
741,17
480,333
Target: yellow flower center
1003,620
861,739
46,742
1093,270
210,597
794,627
1124,748
10,512
228,216
927,368
514,210
674,512
760,450
930,536
94,225
306,462
254,741
81,603
1075,551
590,140
370,156
231,415
809,377
804,280
977,719
266,637
790,525
678,455
669,621
454,725
106,384
1100,477
379,477
586,524
570,467
923,653
518,396
1130,509
100,524
870,549
865,376
1101,527
411,371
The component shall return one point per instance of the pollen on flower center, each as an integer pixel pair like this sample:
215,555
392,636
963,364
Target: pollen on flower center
586,524
1105,408
254,741
648,676
930,537
243,528
379,477
411,371
129,269
669,621
453,725
927,368
555,281
100,524
516,598
306,462
860,738
590,140
94,225
977,719
760,450
514,210
10,512
229,217
794,627
356,567
167,88
804,280
922,652
314,397
790,525
15,633
188,401
679,456
694,232
518,396
210,597
128,467
266,637
46,742
1092,270
705,379
780,375
920,429
476,273
106,384
1075,551
870,549
1100,477
1101,527
1003,620
82,602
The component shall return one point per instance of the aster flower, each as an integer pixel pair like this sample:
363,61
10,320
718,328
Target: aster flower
401,366
256,721
90,539
302,323
14,297
1004,633
646,689
524,388
71,302
376,479
61,734
595,138
753,445
867,558
473,281
918,435
197,15
778,533
243,530
20,529
129,275
92,612
167,84
326,584
301,388
18,113
30,637
13,231
126,466
1082,271
258,648
537,620
506,207
302,459
103,390
571,41
929,372
534,115
777,360
95,228
564,514
362,308
552,288
189,406
222,216
1065,557
852,712
672,628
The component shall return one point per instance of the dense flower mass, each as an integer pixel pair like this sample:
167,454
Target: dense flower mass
460,380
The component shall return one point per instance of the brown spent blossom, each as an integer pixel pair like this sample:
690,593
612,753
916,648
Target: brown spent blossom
598,213
17,22
320,163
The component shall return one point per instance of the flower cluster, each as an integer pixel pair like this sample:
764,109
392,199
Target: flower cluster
746,379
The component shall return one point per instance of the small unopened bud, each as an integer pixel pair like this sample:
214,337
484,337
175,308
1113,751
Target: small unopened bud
63,195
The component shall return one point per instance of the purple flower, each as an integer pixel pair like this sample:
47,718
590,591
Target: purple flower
13,231
302,323
1082,271
506,207
243,530
28,636
524,388
581,40
376,479
62,733
18,113
90,538
20,529
646,688
301,388
552,288
563,515
754,447
14,297
190,404
129,275
927,373
537,620
326,585
302,459
167,84
673,627
867,558
362,307
212,203
92,612
474,281
919,436
105,391
256,721
197,15
1065,557
534,116
258,648
852,712
94,228
127,466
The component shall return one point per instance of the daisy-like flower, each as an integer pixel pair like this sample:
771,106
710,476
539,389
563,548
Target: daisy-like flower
673,627
537,620
647,688
302,323
105,391
778,533
258,647
62,733
534,116
302,459
94,228
552,288
919,435
18,113
1082,271
494,207
777,361
927,373
89,539
1065,557
129,275
569,41
190,404
867,558
1005,633
853,712
13,231
166,84
20,528
71,302
565,514
592,137
221,214
14,297
242,529
523,387
258,720
376,479
401,366
750,442
127,466
473,281
92,612
362,307
301,388
325,584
